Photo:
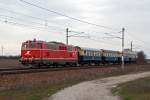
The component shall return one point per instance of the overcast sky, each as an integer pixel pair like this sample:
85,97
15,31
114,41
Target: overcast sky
20,22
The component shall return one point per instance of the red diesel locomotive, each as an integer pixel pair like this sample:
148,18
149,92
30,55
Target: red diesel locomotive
48,53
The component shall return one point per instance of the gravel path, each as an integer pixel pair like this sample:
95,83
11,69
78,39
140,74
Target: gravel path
96,90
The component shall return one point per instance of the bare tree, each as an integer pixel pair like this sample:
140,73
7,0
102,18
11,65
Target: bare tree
141,57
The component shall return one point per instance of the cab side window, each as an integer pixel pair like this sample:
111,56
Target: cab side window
32,45
39,45
24,45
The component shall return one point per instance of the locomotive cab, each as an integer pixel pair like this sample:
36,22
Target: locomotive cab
30,50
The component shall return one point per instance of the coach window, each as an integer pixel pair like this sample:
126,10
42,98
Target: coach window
91,53
88,53
98,54
85,52
95,53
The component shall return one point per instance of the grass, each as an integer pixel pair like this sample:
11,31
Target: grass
36,93
134,90
42,92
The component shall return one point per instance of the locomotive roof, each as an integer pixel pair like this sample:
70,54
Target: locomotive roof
58,43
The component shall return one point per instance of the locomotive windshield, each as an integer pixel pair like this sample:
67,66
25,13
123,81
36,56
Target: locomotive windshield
24,45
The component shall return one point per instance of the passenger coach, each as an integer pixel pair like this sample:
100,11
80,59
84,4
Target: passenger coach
88,55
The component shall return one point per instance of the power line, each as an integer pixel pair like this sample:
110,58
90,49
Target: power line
131,35
20,19
100,41
113,36
33,17
30,22
86,36
140,41
78,34
24,25
61,14
91,37
39,28
29,16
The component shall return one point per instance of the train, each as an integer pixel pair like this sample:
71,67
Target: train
41,53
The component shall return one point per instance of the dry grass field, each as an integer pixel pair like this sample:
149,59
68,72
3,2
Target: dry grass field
9,63
36,86
134,90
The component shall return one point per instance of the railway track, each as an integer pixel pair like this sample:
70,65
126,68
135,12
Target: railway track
36,70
